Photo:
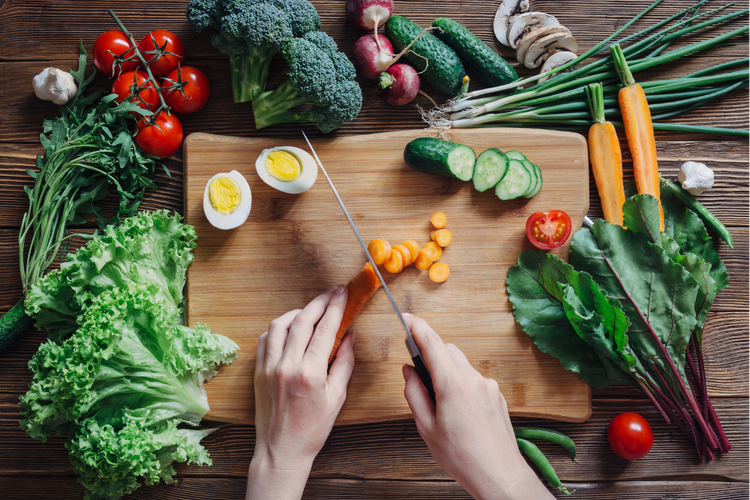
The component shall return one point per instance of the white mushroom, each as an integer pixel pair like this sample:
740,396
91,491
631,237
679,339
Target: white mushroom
55,85
507,11
695,177
547,46
526,23
555,61
533,36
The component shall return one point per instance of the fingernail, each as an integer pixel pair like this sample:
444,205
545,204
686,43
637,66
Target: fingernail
331,290
340,289
407,373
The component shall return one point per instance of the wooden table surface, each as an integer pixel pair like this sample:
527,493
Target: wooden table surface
383,460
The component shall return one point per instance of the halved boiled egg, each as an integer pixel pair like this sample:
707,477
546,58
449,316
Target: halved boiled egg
288,169
227,200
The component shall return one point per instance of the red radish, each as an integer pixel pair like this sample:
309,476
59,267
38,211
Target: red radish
400,84
368,15
371,60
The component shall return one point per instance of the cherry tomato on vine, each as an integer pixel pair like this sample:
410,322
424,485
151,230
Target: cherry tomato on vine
162,59
161,141
548,230
110,44
128,83
630,436
196,90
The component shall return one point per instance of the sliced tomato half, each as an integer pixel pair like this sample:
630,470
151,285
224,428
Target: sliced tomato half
548,230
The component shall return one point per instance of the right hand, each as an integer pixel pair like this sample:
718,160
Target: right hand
468,431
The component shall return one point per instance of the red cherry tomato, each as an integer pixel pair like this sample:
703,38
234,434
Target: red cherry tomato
127,83
548,230
110,44
630,436
162,59
196,89
161,143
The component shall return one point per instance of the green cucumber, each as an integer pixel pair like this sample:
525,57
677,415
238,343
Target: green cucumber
444,71
515,155
438,157
535,179
478,57
13,324
515,183
538,186
489,169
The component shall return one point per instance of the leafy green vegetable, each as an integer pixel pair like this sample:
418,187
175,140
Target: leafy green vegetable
120,373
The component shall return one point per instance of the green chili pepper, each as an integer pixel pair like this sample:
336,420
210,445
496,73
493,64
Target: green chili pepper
541,462
548,435
705,214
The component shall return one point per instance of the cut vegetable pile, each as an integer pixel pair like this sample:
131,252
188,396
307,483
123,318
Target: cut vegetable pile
120,375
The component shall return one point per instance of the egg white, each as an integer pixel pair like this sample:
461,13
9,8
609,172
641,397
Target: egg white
308,171
240,214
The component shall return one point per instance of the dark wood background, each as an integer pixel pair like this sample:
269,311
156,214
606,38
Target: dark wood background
386,460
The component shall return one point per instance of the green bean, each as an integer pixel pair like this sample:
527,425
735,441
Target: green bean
705,214
548,435
541,462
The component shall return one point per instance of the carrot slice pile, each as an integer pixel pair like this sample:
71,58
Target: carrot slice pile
405,253
423,261
442,237
433,250
439,272
395,264
413,248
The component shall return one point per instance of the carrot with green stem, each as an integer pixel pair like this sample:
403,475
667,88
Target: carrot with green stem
361,288
606,157
639,130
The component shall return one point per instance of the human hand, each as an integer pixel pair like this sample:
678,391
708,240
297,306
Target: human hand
468,430
297,398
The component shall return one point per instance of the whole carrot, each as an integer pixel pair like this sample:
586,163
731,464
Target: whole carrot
606,157
639,130
361,288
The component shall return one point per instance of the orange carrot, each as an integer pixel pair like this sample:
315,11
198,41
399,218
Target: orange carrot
433,250
423,261
405,253
442,237
639,130
380,250
606,158
361,288
439,272
438,220
395,264
413,248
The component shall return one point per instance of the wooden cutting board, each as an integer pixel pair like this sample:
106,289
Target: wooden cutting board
294,247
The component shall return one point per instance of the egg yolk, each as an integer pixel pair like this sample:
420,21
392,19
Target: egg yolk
224,195
283,165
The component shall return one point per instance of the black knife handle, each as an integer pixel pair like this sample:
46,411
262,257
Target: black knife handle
424,375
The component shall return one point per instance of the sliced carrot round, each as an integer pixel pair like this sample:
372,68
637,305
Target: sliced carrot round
439,272
423,261
405,253
395,264
413,247
380,250
433,250
438,220
442,237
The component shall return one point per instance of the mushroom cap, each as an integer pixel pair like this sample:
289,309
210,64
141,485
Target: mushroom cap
534,35
548,45
525,23
555,61
507,11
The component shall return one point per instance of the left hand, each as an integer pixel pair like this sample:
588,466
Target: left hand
297,399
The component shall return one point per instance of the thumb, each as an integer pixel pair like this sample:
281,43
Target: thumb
419,400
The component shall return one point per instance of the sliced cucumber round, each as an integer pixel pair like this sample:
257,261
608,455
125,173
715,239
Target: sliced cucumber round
515,183
538,186
515,155
489,169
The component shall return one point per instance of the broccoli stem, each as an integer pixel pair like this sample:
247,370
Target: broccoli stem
250,72
273,107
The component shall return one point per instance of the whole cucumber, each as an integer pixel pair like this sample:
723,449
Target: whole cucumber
478,57
444,71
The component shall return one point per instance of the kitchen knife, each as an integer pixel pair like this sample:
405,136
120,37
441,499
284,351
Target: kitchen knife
414,351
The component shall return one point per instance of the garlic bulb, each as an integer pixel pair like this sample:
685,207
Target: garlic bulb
55,85
695,177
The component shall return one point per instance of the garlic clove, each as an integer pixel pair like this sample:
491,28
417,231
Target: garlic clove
55,85
695,177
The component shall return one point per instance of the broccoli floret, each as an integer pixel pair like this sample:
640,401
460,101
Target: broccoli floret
319,75
251,33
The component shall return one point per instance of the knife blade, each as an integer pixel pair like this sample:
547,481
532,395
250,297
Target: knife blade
414,351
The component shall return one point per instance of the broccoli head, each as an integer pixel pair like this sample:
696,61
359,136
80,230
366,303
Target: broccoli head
319,76
251,33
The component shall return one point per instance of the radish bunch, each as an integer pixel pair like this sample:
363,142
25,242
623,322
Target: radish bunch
373,53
